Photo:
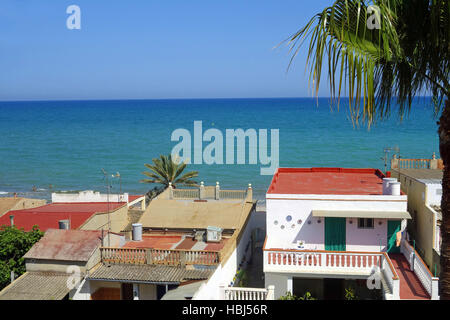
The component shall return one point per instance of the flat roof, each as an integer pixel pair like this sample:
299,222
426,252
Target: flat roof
330,181
173,214
7,204
175,242
428,174
48,216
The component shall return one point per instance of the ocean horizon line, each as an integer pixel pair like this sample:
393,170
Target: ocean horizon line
180,99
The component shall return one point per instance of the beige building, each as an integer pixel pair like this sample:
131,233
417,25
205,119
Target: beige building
186,245
18,203
421,180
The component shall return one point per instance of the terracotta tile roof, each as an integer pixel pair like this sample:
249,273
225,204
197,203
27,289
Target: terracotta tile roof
48,216
37,286
157,242
148,273
332,181
66,245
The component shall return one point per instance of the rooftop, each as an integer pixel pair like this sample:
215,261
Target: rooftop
331,181
173,214
37,286
66,245
157,274
173,242
421,174
7,204
48,216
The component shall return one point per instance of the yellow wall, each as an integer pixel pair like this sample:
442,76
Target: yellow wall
119,219
422,227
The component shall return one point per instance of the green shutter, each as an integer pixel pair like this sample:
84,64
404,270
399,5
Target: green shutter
393,228
335,234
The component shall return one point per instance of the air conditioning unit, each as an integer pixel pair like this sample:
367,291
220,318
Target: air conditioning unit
213,234
199,235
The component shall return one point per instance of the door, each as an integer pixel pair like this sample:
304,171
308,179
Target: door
393,228
335,234
127,291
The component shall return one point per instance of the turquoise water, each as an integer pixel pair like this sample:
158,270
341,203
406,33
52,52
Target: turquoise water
66,143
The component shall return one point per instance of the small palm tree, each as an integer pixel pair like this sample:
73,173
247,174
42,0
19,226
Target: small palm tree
166,170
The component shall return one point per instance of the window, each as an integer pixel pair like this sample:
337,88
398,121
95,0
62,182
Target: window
365,223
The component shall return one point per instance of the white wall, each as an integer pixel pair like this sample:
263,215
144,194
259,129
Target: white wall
224,275
433,196
88,196
313,233
280,281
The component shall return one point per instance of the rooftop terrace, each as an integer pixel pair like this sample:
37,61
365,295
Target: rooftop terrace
335,181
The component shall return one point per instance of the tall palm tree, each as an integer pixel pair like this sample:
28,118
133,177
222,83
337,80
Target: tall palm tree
166,170
389,53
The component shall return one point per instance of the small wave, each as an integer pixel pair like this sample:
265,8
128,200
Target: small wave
40,189
3,192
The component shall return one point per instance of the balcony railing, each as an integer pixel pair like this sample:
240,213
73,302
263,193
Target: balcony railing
414,163
235,293
159,256
333,262
419,267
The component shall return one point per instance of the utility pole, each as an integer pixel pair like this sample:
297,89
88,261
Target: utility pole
107,200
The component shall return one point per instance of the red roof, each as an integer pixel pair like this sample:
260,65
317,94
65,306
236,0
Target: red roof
172,242
336,181
131,198
48,216
73,245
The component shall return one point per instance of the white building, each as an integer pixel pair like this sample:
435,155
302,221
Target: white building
331,228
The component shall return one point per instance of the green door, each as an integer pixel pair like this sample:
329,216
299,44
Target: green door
393,228
335,234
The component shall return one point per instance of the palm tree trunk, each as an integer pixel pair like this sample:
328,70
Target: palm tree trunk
444,146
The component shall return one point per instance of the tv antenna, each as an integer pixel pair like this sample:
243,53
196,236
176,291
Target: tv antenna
387,150
108,187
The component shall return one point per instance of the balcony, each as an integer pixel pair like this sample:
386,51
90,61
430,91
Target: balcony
159,256
408,278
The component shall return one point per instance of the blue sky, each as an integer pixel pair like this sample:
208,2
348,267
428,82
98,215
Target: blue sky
148,49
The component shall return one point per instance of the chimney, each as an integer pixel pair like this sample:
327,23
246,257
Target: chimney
64,224
11,218
137,232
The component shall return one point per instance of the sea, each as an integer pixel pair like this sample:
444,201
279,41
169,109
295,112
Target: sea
49,146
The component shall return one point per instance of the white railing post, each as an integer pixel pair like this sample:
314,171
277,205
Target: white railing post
202,191
170,190
222,295
270,292
217,190
396,289
435,289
